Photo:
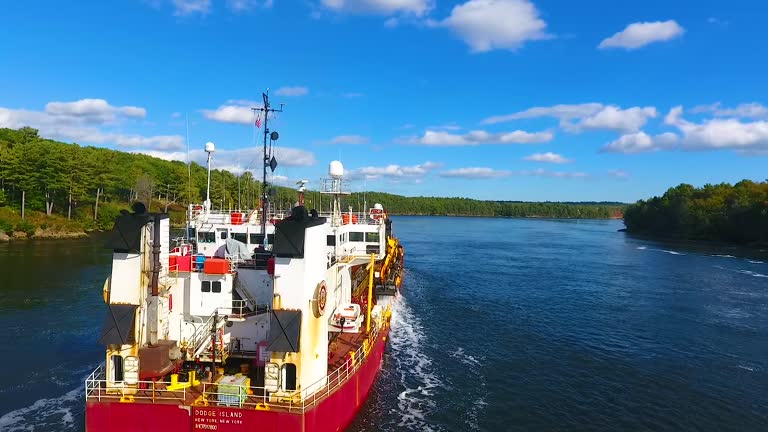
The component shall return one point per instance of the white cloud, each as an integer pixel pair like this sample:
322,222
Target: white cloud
175,115
562,112
394,171
78,122
449,126
717,21
477,137
719,133
486,25
640,142
94,110
587,116
745,110
548,157
246,5
614,118
189,7
235,111
546,173
640,34
350,139
380,7
239,160
475,173
352,95
292,91
619,174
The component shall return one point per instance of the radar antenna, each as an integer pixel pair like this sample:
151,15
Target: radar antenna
269,160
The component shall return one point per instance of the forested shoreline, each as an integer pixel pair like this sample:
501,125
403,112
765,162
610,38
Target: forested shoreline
68,189
722,212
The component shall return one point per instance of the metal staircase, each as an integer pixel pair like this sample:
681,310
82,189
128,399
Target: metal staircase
203,339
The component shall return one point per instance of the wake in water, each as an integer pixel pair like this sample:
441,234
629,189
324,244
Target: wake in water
55,414
415,367
473,366
660,250
728,256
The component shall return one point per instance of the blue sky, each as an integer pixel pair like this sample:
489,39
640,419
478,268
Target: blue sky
494,99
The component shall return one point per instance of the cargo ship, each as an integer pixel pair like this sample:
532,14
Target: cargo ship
256,320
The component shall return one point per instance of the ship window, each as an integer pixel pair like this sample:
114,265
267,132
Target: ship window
372,237
205,286
223,235
331,240
241,237
369,249
356,236
206,237
216,287
258,239
191,232
289,376
117,368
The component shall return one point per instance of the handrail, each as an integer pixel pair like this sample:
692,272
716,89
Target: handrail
246,396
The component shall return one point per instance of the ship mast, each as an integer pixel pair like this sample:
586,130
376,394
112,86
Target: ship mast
270,162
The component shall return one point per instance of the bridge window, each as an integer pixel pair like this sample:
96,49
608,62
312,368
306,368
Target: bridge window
330,240
355,236
206,237
205,286
223,235
372,237
258,239
241,237
216,287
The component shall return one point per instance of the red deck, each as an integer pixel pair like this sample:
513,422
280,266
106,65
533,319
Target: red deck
322,413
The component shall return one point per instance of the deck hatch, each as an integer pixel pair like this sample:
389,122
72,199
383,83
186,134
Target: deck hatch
118,324
284,331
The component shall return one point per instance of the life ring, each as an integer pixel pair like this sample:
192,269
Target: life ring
377,214
320,299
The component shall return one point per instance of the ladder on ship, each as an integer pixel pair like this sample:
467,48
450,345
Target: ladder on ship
208,339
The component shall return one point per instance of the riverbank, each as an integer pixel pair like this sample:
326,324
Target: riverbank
39,233
38,225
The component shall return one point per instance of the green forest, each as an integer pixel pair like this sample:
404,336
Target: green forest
723,212
71,187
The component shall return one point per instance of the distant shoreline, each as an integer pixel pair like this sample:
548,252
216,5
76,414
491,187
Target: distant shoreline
504,217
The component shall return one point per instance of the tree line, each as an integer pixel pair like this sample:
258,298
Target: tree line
92,184
722,212
398,204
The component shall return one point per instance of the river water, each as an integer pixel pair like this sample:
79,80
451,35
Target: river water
504,325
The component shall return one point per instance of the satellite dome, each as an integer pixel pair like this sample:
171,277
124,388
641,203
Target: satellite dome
210,147
336,169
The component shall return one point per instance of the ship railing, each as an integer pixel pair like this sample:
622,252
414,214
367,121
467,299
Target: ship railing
322,388
96,387
239,309
236,396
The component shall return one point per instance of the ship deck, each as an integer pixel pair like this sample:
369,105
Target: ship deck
343,347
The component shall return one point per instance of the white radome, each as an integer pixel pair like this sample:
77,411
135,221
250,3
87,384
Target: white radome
336,169
210,147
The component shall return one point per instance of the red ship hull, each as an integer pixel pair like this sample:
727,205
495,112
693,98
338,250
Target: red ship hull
333,413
